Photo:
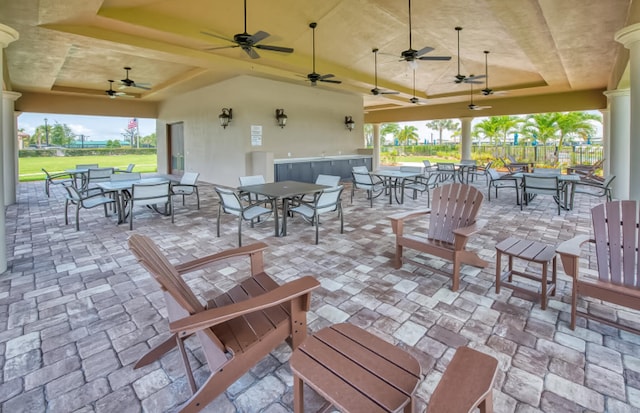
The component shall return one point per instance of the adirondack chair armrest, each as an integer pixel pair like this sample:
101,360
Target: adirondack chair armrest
462,234
199,263
570,253
397,220
214,316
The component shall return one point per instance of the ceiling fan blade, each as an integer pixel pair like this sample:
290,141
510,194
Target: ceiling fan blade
389,92
259,36
330,81
327,76
222,47
424,50
143,87
217,36
440,58
252,53
274,48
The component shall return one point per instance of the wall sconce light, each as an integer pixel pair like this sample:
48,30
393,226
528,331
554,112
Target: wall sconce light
225,117
281,117
349,123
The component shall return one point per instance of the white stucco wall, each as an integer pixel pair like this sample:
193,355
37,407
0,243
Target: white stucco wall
315,125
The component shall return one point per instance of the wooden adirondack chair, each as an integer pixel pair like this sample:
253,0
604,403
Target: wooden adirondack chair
615,227
237,329
452,221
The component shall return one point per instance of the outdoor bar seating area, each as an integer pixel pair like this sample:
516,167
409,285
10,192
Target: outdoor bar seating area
102,321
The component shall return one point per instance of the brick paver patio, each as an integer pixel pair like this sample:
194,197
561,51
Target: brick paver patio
76,310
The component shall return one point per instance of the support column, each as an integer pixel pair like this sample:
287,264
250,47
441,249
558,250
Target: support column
606,142
375,162
7,35
630,38
620,156
465,139
10,143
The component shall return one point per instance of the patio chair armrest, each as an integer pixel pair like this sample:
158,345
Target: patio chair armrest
570,253
199,263
282,294
397,220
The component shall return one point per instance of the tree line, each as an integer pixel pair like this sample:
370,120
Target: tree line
60,134
539,128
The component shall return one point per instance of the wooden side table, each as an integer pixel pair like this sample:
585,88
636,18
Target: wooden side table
354,371
530,251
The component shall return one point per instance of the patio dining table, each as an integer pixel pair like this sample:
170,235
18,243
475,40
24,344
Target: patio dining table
283,190
394,179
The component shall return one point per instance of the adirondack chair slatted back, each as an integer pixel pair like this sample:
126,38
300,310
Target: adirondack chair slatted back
453,206
615,227
164,273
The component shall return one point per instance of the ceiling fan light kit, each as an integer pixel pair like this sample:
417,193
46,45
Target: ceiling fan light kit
225,117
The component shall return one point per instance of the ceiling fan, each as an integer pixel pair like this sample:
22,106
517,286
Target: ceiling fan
412,56
460,78
113,94
127,82
488,91
314,77
375,91
248,42
472,106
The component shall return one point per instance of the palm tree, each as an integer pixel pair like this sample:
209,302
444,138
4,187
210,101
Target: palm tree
407,135
441,125
542,126
488,128
389,129
576,123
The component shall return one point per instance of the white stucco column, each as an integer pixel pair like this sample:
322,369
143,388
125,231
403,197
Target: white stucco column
619,142
10,144
465,139
630,38
606,142
7,35
375,162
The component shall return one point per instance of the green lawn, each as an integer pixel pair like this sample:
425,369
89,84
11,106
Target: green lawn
30,169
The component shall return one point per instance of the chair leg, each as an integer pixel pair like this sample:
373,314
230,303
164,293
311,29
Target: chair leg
316,218
131,215
240,231
78,217
198,197
66,214
341,219
218,220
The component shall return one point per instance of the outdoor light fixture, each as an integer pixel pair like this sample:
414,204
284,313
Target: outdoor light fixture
349,123
225,117
281,117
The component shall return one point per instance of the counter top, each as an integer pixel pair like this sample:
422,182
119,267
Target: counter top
320,158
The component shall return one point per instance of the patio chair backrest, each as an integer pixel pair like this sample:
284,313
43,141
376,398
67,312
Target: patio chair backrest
72,193
328,200
251,180
126,176
189,178
100,175
446,166
229,200
328,180
453,206
130,167
548,171
427,164
362,178
360,169
542,184
151,193
493,174
86,165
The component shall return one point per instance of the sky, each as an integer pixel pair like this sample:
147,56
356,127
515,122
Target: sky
94,128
